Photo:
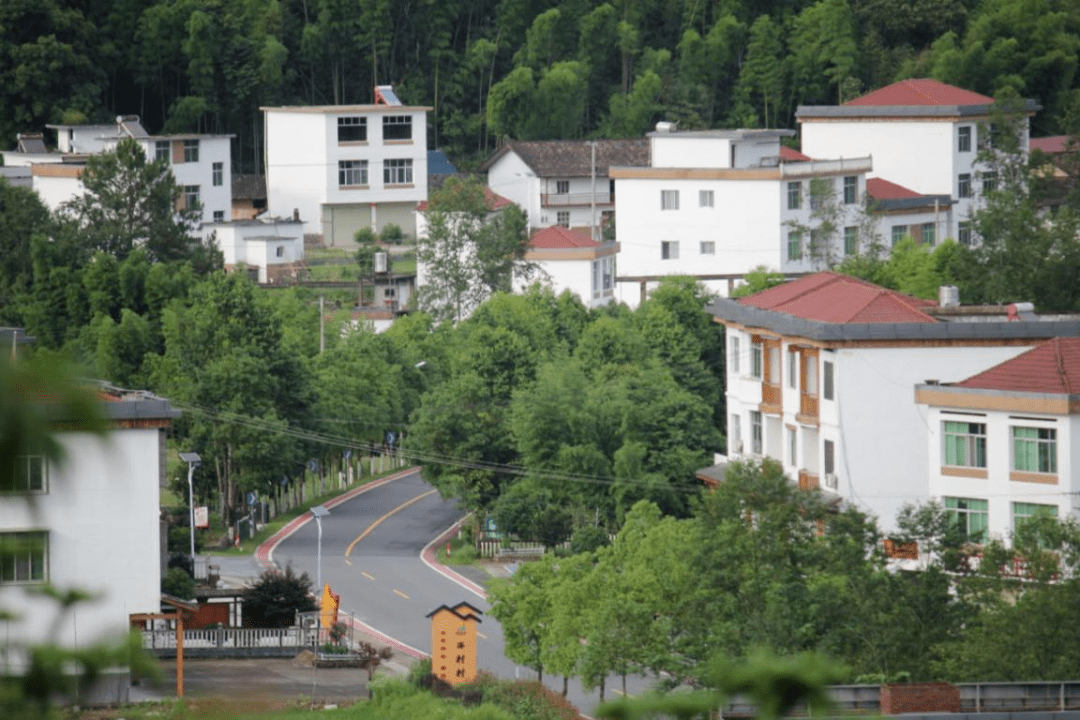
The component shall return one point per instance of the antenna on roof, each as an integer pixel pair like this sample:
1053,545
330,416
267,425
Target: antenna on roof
385,94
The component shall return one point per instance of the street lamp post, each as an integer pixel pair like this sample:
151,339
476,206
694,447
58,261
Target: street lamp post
192,459
319,511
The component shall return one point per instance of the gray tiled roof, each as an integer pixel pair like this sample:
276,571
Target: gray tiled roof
572,158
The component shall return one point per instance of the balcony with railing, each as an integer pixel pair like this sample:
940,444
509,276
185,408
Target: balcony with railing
808,481
581,198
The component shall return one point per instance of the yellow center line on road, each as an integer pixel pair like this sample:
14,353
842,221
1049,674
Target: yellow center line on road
400,594
366,574
375,524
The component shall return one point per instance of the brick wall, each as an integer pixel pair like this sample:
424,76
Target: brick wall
919,697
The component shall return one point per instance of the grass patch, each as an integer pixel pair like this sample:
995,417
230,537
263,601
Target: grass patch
461,553
333,273
404,264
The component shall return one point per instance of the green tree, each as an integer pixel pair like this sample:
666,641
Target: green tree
274,598
131,202
762,76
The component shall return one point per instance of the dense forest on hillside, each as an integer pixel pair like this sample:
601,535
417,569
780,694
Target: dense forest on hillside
530,69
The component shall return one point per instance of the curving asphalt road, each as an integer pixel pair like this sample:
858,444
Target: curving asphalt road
372,543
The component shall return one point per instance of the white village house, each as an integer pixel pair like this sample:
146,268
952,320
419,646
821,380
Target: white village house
1004,444
922,134
715,204
89,523
339,168
571,260
821,374
201,164
563,182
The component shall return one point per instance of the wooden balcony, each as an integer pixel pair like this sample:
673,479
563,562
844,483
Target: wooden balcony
808,409
771,397
808,481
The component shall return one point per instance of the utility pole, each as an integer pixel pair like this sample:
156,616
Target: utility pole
592,217
322,327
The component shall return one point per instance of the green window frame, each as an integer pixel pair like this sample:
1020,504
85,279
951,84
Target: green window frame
971,516
964,444
1024,511
794,245
24,557
794,195
1034,449
851,240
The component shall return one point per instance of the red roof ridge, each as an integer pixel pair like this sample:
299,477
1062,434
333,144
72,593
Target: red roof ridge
1051,367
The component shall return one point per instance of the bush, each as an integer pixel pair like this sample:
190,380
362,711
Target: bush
178,583
275,598
392,234
183,561
365,236
588,539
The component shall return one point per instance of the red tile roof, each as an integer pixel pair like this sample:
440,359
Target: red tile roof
494,201
1051,367
832,297
1051,145
792,155
558,237
884,190
921,91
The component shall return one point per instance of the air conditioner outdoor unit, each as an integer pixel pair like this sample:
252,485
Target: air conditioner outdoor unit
831,481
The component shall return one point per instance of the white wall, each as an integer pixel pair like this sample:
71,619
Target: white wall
510,177
996,488
55,191
690,151
256,243
101,512
302,155
878,430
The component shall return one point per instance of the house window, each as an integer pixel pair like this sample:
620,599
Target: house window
29,474
351,128
609,266
820,193
669,199
964,444
970,516
1023,512
24,557
563,218
794,245
794,195
989,182
161,151
755,360
669,250
963,138
219,216
755,432
735,443
595,276
397,172
963,185
829,457
191,196
1034,449
851,190
352,173
793,446
793,368
706,198
708,247
899,232
218,174
827,388
851,240
562,187
733,355
810,362
191,151
963,233
281,251
928,234
397,127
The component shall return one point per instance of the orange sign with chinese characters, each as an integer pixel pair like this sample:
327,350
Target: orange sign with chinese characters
329,608
453,642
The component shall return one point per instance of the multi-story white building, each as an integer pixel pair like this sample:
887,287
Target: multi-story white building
1004,444
922,134
821,372
90,523
571,260
716,204
563,182
201,164
340,168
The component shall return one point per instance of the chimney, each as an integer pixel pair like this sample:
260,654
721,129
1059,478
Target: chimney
949,296
296,214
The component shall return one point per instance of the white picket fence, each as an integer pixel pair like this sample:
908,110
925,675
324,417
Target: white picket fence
233,638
